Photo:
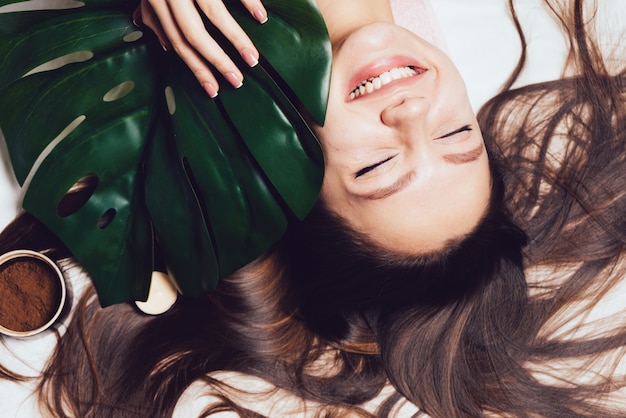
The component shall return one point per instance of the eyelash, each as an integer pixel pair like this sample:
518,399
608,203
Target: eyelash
462,129
371,167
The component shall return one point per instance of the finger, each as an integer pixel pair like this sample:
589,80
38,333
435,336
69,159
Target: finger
137,16
256,9
196,37
144,15
187,53
219,15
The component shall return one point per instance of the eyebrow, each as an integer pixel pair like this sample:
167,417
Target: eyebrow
459,158
464,157
383,192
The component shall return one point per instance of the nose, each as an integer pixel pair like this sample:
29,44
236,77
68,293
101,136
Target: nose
409,116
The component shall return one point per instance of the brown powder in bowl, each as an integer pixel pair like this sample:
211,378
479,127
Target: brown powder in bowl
30,293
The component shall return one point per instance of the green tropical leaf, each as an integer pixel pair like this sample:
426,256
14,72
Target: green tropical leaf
204,186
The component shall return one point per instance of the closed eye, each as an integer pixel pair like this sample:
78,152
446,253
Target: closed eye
371,167
462,129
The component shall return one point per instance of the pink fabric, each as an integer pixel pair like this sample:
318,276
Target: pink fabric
419,17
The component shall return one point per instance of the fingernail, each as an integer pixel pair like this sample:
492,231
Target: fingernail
249,57
210,89
164,47
137,18
233,79
259,14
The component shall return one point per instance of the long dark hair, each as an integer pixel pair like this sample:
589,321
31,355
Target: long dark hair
341,275
329,316
437,319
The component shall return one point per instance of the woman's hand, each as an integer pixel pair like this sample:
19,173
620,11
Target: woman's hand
179,27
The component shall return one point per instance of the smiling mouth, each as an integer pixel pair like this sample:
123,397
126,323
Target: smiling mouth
372,84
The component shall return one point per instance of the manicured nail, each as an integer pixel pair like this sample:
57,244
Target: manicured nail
210,89
137,21
233,79
249,57
259,14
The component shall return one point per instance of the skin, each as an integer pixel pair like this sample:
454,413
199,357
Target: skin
427,179
405,164
179,27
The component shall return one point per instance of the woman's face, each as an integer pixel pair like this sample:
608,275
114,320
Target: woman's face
405,160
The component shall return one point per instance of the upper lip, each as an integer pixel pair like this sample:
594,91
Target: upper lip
380,66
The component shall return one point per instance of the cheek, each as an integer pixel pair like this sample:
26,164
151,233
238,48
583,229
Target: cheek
328,190
332,192
333,134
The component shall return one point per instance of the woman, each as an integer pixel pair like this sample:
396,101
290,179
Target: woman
376,132
449,318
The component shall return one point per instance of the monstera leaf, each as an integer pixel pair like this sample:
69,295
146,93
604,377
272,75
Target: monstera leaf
169,176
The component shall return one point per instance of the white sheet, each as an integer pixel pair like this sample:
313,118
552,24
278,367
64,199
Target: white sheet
481,40
484,44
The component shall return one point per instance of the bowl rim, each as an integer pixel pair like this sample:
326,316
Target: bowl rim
24,253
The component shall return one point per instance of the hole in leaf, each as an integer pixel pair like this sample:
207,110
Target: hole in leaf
133,36
79,56
106,219
119,91
170,100
77,195
41,5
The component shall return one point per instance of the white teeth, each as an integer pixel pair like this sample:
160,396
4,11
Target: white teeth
385,77
372,84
